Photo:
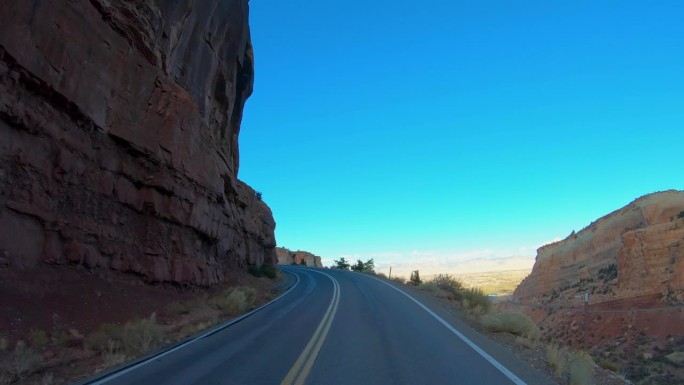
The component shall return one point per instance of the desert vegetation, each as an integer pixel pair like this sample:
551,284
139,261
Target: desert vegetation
264,270
569,367
36,358
360,266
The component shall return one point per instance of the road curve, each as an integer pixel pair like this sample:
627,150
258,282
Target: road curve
335,327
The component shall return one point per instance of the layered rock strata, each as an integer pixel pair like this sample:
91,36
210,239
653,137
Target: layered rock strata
119,123
635,251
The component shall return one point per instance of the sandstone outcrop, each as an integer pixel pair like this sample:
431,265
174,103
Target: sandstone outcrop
635,251
287,257
119,124
630,263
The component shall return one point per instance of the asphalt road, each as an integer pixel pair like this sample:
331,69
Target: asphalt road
335,327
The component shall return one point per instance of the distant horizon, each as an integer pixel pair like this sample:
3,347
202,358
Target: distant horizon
459,128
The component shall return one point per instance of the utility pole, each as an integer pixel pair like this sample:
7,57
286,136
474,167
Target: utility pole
390,274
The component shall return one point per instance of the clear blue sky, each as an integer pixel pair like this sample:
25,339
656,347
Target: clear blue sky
400,128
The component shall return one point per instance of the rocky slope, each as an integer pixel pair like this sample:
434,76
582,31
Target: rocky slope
287,257
119,124
631,263
635,251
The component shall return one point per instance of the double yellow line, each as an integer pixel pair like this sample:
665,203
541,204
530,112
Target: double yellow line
302,367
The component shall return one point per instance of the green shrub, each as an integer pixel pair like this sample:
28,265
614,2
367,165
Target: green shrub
61,338
177,308
509,322
269,271
680,215
24,360
254,270
398,279
429,286
38,338
448,283
609,366
235,300
381,275
558,358
581,369
99,339
112,355
476,300
142,335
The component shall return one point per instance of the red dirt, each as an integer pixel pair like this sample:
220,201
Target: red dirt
58,298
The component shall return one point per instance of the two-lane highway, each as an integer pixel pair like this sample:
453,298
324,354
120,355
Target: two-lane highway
332,327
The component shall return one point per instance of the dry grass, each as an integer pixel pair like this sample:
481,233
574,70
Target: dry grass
235,300
557,357
99,339
47,379
38,338
62,338
24,360
476,301
581,369
578,366
197,327
142,335
510,322
448,283
398,279
178,308
609,366
135,337
6,378
429,286
112,355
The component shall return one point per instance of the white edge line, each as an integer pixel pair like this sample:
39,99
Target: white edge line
216,329
516,380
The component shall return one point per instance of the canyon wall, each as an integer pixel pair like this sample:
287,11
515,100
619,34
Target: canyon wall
635,251
119,123
287,257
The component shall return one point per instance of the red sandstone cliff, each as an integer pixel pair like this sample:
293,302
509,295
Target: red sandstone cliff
119,124
287,257
631,263
635,251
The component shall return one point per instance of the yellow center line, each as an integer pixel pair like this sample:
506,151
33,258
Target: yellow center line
302,366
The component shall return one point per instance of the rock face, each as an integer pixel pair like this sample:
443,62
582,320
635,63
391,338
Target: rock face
287,257
119,123
635,251
631,265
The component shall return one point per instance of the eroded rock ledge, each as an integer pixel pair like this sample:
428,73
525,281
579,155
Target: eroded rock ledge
633,252
288,257
119,124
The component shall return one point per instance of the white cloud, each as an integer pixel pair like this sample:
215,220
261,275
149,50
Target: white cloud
431,262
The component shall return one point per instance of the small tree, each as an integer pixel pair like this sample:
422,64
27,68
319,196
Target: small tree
258,195
415,278
303,262
369,265
341,264
358,266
